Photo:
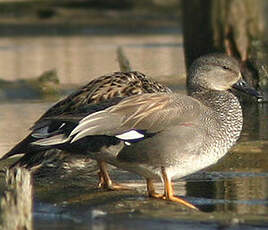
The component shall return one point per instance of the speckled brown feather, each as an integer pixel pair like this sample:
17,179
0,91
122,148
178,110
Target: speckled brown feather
118,84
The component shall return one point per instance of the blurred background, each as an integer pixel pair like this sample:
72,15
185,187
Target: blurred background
79,39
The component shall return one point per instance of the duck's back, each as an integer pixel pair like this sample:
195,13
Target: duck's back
117,84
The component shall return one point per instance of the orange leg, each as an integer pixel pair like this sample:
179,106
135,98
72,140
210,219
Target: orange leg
151,190
169,192
105,181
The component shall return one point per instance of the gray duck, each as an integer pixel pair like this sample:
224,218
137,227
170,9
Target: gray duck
160,135
109,87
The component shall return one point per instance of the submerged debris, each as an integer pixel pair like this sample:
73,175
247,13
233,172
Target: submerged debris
16,203
44,86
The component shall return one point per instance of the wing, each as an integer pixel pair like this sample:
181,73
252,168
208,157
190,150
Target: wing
140,116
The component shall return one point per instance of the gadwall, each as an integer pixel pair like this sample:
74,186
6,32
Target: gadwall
104,88
159,135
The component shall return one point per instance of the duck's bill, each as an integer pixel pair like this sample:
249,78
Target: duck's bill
243,86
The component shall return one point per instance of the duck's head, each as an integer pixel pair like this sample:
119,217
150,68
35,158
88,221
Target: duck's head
217,72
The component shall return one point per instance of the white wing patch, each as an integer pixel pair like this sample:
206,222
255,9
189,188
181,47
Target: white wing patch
130,135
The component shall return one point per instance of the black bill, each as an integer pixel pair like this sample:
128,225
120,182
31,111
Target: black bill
243,86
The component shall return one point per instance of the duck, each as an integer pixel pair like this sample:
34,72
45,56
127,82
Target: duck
108,87
160,135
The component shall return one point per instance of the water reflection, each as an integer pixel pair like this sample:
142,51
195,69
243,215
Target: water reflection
240,193
81,58
251,192
255,122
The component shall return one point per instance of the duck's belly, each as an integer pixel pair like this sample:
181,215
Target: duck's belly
180,157
180,153
186,167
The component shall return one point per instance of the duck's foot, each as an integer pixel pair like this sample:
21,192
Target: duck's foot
151,190
170,197
157,196
117,187
169,192
180,201
102,184
105,181
174,199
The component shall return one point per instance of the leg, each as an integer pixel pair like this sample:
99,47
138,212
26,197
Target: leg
104,178
105,181
151,190
169,192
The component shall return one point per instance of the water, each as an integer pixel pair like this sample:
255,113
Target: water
81,58
233,194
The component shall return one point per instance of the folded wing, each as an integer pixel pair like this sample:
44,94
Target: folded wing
132,119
